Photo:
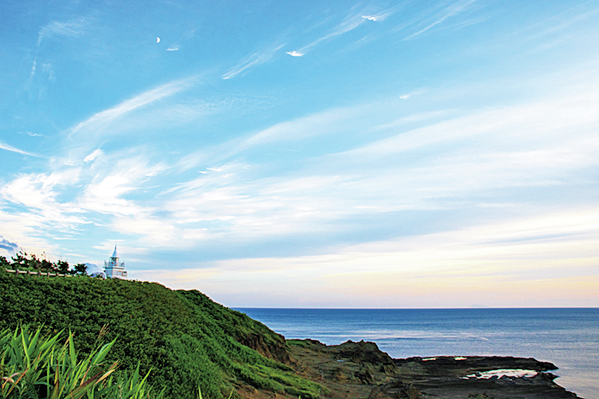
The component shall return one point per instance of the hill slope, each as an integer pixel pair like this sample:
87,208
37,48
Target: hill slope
186,339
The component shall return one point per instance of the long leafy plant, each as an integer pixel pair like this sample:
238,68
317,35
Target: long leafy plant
34,366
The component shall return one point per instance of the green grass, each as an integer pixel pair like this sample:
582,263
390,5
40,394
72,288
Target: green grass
184,340
43,367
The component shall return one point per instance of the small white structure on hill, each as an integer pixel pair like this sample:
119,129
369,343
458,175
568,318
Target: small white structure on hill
113,268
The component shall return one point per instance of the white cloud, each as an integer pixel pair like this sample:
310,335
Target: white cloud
118,176
351,22
91,157
264,55
38,190
512,126
36,214
453,9
301,128
10,148
98,122
550,254
174,47
453,164
382,15
67,28
348,24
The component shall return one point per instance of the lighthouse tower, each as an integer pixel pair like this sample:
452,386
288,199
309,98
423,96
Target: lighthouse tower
113,268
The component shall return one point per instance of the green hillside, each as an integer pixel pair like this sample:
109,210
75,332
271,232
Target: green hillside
186,339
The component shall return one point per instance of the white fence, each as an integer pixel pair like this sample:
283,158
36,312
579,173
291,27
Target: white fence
17,272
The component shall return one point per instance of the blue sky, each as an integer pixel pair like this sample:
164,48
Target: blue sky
309,154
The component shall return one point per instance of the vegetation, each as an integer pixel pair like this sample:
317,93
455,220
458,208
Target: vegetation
40,367
182,339
22,261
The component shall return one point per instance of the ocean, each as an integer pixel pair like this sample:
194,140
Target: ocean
569,338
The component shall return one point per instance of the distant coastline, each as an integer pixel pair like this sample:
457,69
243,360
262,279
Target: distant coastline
567,337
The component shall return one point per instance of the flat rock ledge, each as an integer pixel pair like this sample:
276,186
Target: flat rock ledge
361,370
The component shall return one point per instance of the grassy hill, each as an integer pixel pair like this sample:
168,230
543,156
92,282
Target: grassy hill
186,339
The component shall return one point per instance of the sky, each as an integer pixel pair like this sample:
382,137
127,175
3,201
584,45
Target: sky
377,154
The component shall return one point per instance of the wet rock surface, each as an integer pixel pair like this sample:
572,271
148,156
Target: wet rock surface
361,370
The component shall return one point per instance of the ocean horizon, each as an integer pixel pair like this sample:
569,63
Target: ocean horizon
567,337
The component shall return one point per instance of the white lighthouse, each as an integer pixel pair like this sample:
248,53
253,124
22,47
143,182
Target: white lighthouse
113,268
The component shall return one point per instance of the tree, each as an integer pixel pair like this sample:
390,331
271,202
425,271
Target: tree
34,263
47,266
63,266
81,268
19,260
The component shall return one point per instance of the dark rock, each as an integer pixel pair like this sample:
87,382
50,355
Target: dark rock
364,352
361,370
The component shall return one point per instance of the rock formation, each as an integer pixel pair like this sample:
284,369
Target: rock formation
361,370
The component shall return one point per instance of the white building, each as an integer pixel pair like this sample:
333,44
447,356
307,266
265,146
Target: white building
113,268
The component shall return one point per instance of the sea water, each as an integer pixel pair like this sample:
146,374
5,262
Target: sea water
569,338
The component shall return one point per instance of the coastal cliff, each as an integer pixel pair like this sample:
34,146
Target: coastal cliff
186,341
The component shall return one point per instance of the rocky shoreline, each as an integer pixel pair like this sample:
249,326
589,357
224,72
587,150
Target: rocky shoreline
361,370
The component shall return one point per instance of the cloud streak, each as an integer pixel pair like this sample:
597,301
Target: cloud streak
71,28
97,122
351,22
469,161
10,148
552,253
262,56
348,24
448,12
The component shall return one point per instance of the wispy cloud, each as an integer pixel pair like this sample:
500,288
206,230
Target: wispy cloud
492,261
351,22
119,174
7,147
71,28
382,15
100,120
348,24
36,214
451,161
91,157
175,46
32,134
406,96
451,10
262,56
